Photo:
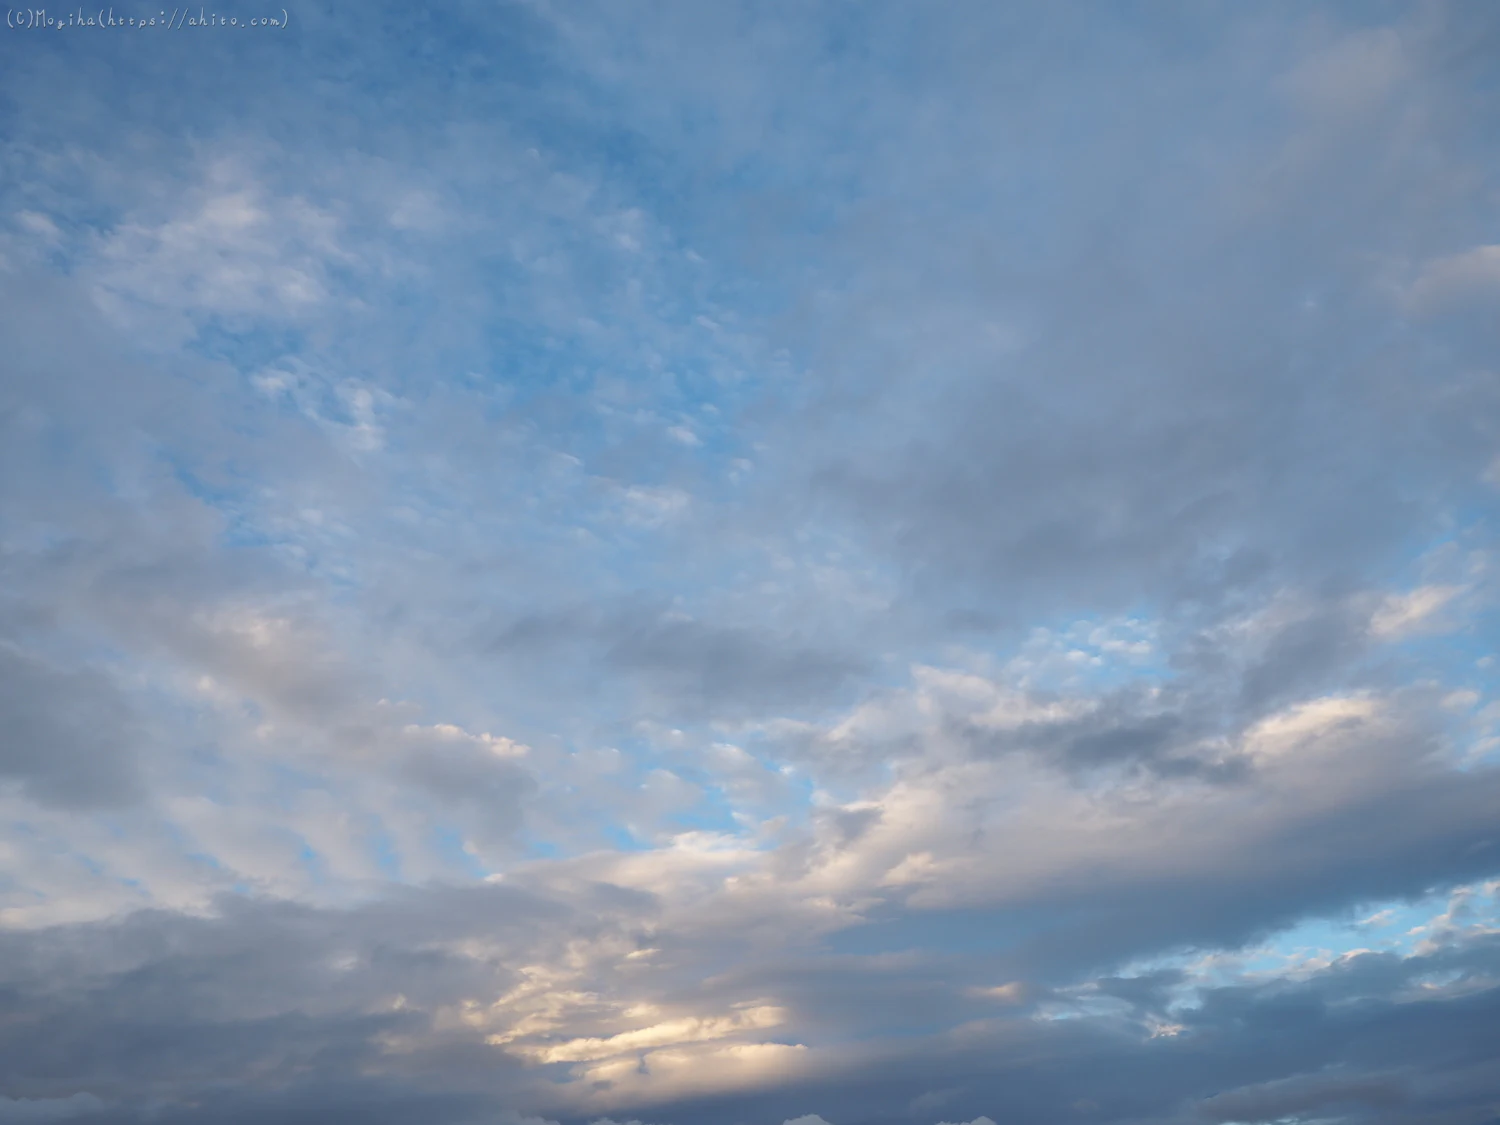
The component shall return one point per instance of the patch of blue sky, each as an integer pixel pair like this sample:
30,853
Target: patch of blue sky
528,351
1464,662
692,375
1447,549
247,347
230,495
1461,652
1090,653
90,864
451,845
1397,927
713,812
385,854
621,838
187,848
313,863
1081,1004
800,790
536,847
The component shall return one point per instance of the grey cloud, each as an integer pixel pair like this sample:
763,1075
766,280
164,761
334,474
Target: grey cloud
1353,813
1304,655
279,1010
693,661
255,1000
1288,1097
68,737
1126,728
1149,992
1422,832
465,773
685,667
1351,1047
1205,689
1174,427
22,1111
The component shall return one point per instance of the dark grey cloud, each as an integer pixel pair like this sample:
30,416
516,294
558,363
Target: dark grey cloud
215,1020
1286,1097
1129,728
1347,1043
264,999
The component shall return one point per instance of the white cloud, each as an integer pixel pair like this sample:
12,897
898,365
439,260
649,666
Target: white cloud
1416,611
233,249
685,1030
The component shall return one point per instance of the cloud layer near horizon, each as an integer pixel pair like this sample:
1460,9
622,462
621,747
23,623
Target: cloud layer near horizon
804,563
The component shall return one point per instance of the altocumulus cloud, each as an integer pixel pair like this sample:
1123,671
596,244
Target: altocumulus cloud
747,562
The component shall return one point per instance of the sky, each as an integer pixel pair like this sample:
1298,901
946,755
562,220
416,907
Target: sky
717,563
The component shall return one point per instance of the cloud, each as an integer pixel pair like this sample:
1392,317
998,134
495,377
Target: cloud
21,1110
687,666
232,254
1287,1097
414,708
68,735
687,1030
1457,277
1351,73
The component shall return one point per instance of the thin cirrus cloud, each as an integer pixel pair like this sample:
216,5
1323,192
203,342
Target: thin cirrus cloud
751,562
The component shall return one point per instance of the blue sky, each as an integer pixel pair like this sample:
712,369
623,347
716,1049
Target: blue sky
700,563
